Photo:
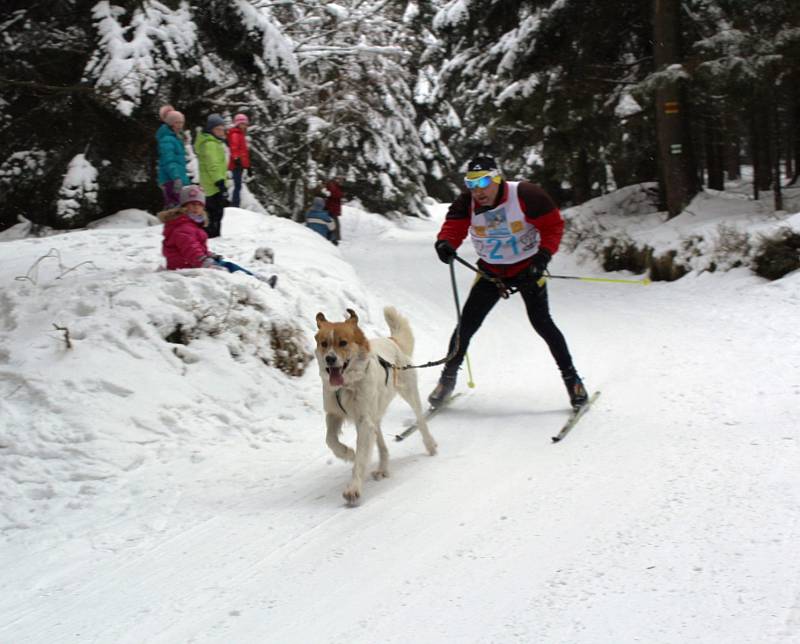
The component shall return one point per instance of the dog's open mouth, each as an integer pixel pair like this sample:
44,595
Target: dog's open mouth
336,375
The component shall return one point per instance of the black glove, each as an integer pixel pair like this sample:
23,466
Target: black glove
539,263
445,251
222,189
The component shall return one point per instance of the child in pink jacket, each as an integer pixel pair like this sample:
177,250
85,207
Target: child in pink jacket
185,242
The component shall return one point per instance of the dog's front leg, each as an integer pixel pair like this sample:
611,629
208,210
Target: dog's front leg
383,455
334,425
365,438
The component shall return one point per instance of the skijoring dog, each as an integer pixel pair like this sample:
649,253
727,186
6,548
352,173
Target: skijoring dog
359,380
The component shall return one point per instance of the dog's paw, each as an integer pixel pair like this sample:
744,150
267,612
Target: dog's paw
380,474
431,446
351,494
344,452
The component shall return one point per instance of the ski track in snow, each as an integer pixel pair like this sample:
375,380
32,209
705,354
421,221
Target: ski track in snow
670,514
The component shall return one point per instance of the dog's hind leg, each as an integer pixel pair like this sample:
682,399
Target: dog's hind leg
410,393
334,425
383,455
365,438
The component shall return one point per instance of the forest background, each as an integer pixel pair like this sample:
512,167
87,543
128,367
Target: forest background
583,98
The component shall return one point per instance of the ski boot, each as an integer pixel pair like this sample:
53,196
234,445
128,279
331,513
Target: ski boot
443,390
577,392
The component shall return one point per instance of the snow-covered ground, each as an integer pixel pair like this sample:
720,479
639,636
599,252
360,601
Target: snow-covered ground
153,491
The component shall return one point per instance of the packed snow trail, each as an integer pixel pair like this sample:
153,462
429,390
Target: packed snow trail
671,513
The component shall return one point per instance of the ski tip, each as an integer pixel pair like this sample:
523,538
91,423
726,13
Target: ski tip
398,438
555,439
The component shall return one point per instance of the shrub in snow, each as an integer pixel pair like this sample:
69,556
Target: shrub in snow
778,255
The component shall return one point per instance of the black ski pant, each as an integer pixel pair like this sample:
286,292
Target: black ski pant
482,298
215,207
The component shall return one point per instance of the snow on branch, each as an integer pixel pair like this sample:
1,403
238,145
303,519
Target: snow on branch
129,59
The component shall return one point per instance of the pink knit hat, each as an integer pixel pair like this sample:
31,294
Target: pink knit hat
192,193
164,110
173,117
241,118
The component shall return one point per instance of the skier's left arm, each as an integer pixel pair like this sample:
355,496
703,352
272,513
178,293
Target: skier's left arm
541,211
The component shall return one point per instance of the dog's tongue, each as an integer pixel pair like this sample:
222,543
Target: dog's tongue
336,379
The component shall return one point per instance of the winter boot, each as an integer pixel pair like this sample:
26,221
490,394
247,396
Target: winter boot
272,280
443,390
575,389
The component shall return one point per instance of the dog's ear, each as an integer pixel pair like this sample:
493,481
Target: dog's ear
320,319
353,317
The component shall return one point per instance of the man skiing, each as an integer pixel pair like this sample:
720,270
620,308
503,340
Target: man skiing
516,228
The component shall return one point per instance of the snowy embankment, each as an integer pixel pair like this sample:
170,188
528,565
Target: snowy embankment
155,491
147,365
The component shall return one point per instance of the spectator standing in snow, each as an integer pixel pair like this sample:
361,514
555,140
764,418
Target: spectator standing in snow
333,204
172,174
515,228
209,145
239,161
319,220
185,243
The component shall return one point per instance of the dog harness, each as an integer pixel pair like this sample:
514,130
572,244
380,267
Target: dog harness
386,367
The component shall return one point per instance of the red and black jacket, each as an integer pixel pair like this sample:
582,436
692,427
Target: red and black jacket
539,208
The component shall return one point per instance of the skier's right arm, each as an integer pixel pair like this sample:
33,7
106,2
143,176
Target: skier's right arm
456,223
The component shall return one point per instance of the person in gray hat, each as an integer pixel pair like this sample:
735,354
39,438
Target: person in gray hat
210,149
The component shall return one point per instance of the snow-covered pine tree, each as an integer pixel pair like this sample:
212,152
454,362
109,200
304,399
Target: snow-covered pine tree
326,85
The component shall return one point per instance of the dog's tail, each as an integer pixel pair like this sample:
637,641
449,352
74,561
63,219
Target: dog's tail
401,330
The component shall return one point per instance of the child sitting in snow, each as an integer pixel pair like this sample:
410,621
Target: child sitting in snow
186,242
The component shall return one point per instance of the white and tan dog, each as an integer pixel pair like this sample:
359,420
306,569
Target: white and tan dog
358,383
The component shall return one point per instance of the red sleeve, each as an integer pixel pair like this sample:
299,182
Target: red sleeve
541,211
456,223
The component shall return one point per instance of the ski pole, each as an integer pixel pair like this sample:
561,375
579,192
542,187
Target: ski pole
642,282
470,381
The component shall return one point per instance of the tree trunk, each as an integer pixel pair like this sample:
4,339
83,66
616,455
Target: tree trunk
715,152
794,137
755,152
776,156
581,184
732,144
676,160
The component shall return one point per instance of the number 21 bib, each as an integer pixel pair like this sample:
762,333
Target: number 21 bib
501,235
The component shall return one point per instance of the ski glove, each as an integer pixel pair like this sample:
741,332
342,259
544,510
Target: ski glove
445,251
539,263
222,189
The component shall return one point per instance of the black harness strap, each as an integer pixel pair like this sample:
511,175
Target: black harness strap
386,367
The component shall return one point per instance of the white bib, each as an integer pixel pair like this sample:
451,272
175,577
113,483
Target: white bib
502,235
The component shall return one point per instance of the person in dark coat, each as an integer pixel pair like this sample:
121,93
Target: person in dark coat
515,228
319,220
333,204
